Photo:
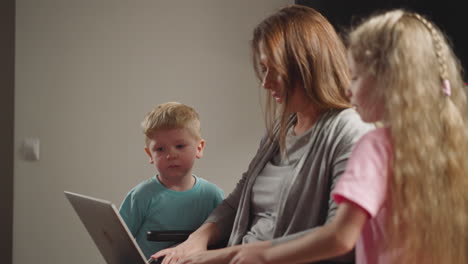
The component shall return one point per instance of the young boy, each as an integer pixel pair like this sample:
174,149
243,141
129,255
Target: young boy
174,199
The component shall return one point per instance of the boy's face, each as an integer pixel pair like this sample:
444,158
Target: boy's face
173,152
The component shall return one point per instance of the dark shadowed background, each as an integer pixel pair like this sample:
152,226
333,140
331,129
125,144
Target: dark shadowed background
448,15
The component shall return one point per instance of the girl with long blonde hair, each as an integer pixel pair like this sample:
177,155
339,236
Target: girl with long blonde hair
418,78
404,195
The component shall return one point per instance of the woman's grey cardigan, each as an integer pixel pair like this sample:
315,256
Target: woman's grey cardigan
305,200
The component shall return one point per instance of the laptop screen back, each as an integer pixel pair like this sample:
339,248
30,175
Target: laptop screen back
107,229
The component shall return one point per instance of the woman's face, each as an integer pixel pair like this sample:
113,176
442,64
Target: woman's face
362,93
271,80
274,83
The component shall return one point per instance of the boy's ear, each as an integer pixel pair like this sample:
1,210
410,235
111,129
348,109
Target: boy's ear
200,148
148,152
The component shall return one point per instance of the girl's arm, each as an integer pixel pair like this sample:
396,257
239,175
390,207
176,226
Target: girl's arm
333,239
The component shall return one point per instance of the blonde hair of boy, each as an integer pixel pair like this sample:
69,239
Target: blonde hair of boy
171,115
428,194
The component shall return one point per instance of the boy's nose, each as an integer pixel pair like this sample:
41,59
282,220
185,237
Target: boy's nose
171,155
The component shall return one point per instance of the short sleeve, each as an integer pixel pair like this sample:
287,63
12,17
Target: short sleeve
364,181
219,197
132,212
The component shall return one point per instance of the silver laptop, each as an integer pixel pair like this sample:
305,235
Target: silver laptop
107,228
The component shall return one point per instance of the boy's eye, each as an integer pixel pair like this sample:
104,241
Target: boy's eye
159,149
180,146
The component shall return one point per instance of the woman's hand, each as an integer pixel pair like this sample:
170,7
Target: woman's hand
217,256
197,242
185,249
253,255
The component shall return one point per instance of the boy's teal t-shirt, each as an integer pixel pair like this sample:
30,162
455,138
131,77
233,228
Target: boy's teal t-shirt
151,206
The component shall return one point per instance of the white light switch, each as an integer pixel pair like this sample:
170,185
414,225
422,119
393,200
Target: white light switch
31,149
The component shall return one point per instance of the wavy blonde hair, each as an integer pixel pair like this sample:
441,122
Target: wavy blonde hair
305,50
428,193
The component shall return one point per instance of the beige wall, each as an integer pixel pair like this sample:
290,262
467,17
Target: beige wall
86,73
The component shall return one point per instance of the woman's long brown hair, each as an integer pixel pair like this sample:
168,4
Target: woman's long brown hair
305,50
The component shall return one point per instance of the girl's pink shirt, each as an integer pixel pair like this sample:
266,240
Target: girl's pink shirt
364,183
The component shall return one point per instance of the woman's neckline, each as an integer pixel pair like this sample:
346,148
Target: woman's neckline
305,121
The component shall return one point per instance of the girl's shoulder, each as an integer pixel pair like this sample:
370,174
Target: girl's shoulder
378,139
378,134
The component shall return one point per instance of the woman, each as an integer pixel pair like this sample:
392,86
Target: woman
285,192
